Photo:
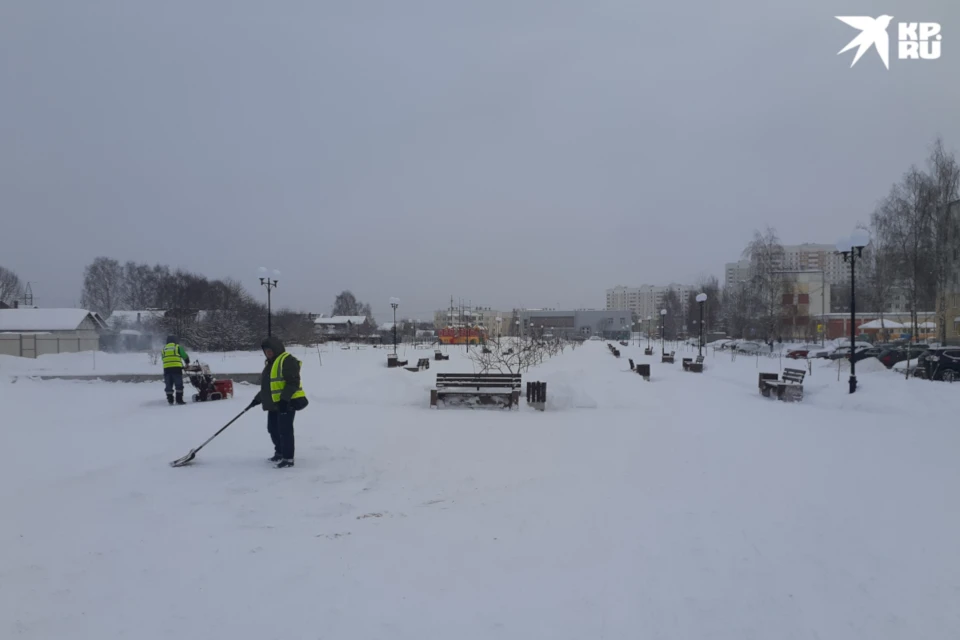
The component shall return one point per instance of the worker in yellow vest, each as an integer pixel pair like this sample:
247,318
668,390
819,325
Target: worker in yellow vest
174,356
281,395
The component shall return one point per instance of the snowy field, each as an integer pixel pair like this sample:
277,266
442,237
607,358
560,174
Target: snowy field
688,507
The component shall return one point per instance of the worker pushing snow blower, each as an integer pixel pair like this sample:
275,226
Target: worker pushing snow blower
174,356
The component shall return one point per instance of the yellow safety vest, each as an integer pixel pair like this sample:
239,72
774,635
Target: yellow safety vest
171,356
278,384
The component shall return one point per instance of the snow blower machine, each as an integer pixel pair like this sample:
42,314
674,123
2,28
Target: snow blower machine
207,386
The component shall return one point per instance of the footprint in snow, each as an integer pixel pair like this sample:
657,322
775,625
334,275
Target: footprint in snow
381,514
333,536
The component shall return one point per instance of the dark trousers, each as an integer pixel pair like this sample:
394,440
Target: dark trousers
173,378
280,427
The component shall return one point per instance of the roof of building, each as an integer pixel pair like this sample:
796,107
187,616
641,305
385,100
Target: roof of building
45,319
341,320
127,316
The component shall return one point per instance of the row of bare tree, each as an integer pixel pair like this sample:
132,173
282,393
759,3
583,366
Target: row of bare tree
915,237
209,315
914,252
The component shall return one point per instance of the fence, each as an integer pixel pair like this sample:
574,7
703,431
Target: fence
31,345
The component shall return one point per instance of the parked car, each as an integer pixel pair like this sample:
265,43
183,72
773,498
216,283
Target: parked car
858,344
844,352
941,363
893,355
749,347
863,354
802,351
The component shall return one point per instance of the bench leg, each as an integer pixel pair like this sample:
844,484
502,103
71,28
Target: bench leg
433,398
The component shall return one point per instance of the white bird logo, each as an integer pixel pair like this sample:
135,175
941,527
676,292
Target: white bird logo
873,31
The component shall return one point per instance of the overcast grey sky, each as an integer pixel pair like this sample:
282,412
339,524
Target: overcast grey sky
512,152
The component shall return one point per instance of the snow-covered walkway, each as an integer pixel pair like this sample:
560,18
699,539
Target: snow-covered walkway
687,507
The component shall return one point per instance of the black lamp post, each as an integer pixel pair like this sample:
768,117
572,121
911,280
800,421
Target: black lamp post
649,329
852,248
663,321
270,284
395,302
701,298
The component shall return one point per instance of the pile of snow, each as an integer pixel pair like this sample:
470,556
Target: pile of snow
867,365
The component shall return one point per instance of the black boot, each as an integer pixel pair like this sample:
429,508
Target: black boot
276,458
283,464
169,398
180,397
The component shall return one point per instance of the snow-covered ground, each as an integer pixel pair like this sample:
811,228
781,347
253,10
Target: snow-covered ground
687,507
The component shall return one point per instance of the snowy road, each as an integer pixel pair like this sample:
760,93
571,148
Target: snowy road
688,507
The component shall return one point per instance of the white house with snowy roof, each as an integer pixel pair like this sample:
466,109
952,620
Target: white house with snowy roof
344,327
30,333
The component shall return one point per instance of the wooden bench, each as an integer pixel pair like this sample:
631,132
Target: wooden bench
696,366
422,363
623,344
486,388
648,351
789,387
644,371
439,356
667,358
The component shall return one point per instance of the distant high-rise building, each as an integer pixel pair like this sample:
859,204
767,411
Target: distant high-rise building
646,300
797,257
735,273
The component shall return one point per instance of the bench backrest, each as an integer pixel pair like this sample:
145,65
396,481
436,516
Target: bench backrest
699,359
793,375
511,380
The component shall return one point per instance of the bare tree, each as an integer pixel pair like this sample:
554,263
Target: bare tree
139,286
512,355
878,272
767,280
672,322
904,221
736,309
10,286
945,182
713,307
103,286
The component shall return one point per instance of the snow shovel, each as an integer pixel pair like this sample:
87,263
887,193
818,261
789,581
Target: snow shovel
187,459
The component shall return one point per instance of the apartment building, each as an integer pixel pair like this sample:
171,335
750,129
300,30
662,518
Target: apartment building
646,300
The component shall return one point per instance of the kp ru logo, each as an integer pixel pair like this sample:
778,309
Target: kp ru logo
916,40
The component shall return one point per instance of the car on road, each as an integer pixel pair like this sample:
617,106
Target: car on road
749,347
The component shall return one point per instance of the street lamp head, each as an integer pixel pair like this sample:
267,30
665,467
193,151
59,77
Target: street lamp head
844,245
859,239
649,318
663,312
701,297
